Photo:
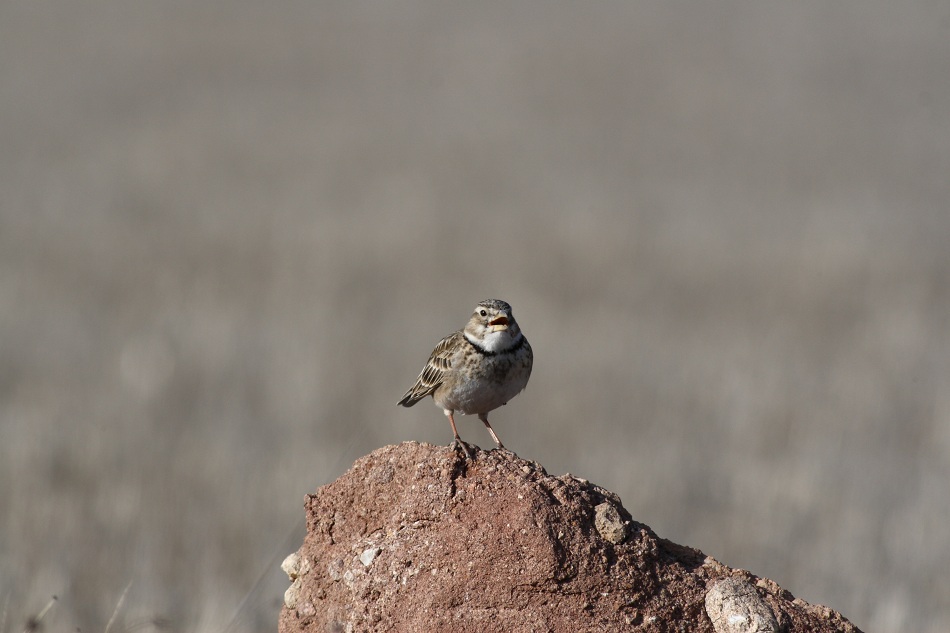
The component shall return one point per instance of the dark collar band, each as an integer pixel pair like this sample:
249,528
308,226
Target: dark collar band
484,352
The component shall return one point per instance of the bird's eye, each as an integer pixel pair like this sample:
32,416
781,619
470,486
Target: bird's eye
483,312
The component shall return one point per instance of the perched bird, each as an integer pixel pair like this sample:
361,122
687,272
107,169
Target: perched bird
477,369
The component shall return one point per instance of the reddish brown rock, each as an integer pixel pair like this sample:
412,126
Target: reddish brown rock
416,538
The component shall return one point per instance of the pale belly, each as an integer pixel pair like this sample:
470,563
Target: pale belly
493,385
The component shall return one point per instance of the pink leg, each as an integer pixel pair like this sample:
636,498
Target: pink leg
458,440
484,418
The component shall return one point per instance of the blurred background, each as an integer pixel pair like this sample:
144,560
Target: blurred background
231,233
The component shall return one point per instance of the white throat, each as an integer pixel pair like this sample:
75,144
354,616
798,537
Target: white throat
497,341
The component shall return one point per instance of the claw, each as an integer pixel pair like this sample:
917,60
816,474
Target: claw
458,444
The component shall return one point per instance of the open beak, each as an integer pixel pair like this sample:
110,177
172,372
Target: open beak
498,324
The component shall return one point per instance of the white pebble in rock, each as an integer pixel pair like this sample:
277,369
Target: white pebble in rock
734,606
292,595
369,555
609,524
291,565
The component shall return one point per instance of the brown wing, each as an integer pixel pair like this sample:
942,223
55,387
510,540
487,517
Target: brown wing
432,376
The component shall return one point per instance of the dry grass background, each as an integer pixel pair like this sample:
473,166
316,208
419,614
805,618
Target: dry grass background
231,232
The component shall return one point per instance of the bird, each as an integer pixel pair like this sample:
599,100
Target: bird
476,369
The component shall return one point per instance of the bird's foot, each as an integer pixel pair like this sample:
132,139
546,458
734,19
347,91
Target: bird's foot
464,447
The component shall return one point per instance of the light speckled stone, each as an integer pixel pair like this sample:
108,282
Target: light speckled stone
734,606
609,524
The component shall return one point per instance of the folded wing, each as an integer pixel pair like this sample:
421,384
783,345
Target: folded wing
440,362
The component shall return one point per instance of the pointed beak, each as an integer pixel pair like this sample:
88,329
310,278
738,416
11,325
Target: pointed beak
498,324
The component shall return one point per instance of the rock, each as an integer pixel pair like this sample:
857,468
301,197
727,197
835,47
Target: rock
416,538
734,606
369,555
295,567
291,565
609,524
292,595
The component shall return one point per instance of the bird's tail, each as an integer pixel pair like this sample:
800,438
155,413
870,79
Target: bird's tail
409,399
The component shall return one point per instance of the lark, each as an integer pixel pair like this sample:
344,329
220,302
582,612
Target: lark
477,369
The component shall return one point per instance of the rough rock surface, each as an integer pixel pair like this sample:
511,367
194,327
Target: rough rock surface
416,538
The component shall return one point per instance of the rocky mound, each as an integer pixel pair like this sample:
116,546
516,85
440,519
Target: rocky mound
416,538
